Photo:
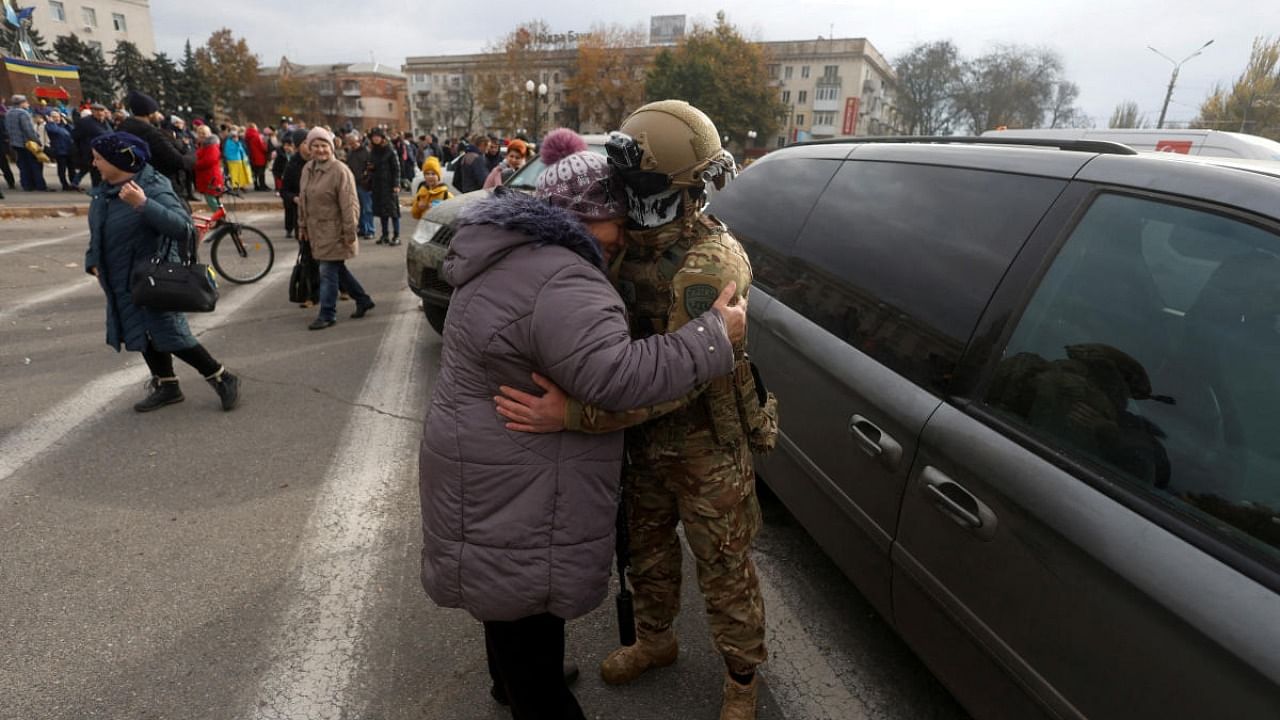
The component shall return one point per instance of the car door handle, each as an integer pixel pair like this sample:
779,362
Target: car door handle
958,504
875,442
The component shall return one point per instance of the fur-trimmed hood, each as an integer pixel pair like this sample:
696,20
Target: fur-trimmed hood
488,229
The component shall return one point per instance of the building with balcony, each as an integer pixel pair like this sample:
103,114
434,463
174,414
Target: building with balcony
841,87
364,95
832,88
100,23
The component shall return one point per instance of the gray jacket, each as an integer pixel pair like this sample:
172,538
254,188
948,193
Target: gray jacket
20,127
518,524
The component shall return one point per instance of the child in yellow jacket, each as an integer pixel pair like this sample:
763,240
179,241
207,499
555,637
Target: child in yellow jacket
432,191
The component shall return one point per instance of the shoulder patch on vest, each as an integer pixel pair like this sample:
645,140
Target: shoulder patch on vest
699,299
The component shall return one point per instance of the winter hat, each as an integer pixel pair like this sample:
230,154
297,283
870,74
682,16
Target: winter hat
123,150
319,133
379,132
140,104
518,146
577,179
432,164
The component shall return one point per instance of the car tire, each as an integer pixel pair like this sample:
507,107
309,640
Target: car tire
435,316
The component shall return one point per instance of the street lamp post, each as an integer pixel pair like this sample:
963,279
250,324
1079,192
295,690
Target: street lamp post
1173,79
537,94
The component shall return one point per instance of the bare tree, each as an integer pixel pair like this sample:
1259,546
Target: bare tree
927,77
1126,115
1015,87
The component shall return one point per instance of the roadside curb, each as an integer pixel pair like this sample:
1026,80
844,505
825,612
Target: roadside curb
48,211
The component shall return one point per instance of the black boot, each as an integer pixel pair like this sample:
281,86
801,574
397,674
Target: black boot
227,386
383,240
163,392
395,240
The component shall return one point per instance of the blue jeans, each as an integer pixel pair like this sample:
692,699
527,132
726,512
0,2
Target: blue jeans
395,220
334,274
366,212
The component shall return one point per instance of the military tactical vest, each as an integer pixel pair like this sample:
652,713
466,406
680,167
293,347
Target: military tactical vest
658,301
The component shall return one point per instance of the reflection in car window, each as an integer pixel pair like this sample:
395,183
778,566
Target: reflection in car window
899,260
1152,346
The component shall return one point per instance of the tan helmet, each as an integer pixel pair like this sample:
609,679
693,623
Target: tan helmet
674,139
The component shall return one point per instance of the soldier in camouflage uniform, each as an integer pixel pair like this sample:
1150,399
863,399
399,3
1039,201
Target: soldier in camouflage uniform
690,459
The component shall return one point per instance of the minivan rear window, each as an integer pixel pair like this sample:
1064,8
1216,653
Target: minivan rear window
901,259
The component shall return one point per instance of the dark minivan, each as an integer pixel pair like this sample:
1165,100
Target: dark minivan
1031,407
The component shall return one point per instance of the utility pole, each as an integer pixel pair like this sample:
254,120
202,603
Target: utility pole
1173,79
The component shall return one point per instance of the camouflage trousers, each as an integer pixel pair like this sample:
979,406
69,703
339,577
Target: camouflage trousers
712,493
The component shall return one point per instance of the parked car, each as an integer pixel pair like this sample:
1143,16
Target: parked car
1029,404
1216,143
430,242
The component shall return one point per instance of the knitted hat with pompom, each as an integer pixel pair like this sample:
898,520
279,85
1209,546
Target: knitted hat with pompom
577,179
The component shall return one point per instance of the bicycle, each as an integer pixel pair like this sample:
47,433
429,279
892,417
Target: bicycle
249,254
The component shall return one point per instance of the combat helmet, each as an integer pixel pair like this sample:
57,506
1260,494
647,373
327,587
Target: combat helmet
667,144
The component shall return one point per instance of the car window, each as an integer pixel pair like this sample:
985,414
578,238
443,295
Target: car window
899,260
1151,349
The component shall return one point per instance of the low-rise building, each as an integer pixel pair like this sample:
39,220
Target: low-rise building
832,88
364,95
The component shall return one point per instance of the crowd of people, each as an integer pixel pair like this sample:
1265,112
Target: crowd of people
606,301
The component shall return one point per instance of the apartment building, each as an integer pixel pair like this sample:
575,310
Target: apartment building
101,23
831,87
364,95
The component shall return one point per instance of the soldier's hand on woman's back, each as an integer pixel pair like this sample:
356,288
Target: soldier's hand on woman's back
531,413
733,313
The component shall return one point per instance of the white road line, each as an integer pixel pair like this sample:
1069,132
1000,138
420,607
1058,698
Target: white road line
319,647
49,296
23,247
801,679
42,432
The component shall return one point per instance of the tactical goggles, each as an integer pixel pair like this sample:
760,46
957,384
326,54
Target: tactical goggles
625,155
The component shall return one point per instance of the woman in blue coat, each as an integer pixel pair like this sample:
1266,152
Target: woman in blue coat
131,212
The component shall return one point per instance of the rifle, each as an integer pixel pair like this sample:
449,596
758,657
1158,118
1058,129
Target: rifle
622,550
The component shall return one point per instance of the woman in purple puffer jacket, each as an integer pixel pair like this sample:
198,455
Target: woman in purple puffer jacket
518,528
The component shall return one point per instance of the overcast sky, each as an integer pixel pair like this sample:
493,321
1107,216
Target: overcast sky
1103,42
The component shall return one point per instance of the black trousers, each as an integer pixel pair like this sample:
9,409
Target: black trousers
260,177
161,363
526,659
290,211
4,168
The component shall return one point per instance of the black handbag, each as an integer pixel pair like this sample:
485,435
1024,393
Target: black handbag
163,285
304,283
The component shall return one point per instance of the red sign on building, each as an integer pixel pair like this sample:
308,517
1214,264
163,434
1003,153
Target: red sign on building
850,116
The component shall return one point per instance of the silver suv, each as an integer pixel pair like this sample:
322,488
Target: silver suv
1031,407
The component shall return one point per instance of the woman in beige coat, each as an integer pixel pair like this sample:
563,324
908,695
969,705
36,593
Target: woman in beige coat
328,210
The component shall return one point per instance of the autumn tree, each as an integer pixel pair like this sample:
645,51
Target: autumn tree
1252,104
229,69
927,78
95,74
499,86
608,76
1014,87
721,73
1127,115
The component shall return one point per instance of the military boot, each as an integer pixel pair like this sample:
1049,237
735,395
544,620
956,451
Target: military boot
630,662
227,386
164,391
739,700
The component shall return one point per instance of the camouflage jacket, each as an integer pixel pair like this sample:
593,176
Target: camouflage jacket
668,276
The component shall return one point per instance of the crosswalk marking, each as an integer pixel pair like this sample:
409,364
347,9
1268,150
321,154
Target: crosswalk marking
319,647
42,432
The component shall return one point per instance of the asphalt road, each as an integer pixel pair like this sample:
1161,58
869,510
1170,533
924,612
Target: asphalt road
263,563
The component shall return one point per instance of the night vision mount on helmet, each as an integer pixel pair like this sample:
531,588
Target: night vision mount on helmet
668,144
